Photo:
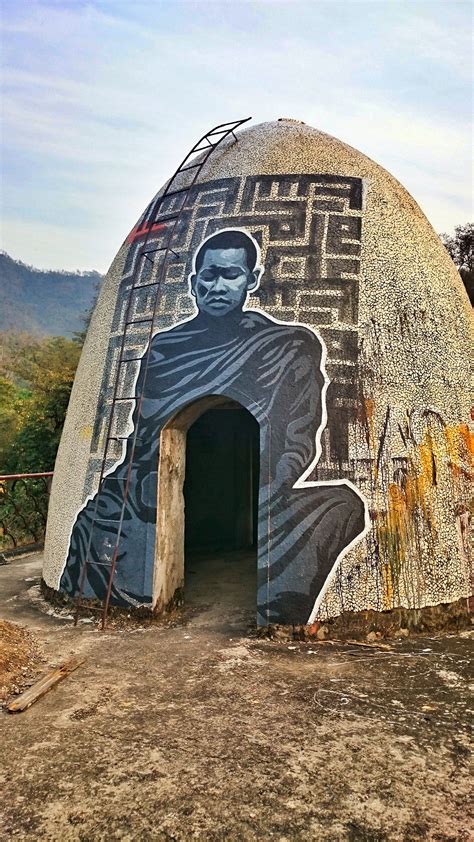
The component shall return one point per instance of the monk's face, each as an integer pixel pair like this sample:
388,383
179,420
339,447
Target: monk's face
222,283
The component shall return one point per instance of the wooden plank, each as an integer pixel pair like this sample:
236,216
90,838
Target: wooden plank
39,688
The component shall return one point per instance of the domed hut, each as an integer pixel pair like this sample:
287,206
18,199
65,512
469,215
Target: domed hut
283,336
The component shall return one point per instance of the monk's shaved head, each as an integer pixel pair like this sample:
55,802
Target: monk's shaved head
228,239
226,271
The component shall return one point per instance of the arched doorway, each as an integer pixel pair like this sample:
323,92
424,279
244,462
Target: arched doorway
221,509
208,506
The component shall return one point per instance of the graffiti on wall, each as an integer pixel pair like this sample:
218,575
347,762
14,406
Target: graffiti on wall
272,367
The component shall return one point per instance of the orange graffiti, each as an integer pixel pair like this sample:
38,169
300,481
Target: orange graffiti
460,450
407,516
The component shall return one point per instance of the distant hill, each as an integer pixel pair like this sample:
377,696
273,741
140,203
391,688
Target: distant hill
44,303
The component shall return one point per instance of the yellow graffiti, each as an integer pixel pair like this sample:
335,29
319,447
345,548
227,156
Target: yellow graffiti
85,432
407,517
460,449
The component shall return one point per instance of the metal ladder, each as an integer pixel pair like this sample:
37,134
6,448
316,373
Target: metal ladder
147,227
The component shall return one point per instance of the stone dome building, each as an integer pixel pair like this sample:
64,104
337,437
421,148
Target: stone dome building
306,383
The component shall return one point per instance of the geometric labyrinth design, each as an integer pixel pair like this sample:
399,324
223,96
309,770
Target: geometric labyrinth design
309,228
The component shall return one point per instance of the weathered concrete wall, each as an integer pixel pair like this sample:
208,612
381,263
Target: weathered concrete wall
69,487
348,252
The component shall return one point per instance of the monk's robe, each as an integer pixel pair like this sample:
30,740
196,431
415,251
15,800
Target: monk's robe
274,371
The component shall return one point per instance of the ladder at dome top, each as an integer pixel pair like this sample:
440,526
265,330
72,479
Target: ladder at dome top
177,190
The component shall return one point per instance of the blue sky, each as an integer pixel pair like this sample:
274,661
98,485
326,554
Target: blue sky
102,99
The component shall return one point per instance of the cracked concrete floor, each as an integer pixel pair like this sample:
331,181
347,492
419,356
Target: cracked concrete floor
198,731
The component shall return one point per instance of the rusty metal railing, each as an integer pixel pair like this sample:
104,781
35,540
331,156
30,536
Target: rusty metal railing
24,502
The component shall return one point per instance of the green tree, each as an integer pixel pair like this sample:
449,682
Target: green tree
11,399
42,373
460,247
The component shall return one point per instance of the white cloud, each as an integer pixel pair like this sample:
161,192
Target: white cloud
103,99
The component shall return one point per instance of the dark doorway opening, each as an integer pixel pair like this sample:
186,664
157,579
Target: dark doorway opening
221,484
221,508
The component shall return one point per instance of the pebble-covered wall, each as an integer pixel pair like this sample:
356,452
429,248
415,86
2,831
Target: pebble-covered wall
348,253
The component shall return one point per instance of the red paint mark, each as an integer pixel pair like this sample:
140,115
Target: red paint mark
138,232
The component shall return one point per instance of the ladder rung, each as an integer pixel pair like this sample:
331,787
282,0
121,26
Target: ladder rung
234,123
199,163
122,438
138,322
130,360
117,400
174,193
87,607
165,219
153,228
152,251
150,284
148,251
191,167
202,149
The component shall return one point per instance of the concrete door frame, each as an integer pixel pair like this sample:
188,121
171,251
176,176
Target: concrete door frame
168,572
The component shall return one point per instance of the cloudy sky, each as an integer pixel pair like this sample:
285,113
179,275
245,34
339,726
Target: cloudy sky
103,98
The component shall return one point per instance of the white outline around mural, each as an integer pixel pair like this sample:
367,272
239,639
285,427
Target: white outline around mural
301,482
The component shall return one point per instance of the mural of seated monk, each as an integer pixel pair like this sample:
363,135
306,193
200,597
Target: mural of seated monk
275,371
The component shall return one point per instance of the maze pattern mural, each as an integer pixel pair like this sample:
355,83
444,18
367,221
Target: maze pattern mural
309,228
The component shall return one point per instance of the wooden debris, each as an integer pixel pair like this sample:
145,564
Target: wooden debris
370,645
39,688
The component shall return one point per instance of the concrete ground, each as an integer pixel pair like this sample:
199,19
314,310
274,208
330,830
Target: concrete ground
200,731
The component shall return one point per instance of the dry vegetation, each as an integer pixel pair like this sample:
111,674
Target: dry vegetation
19,655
